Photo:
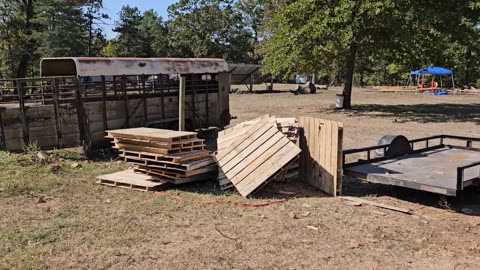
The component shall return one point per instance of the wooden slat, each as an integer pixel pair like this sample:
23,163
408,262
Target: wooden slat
152,134
164,145
155,150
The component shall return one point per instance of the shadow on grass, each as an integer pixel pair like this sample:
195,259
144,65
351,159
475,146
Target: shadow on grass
470,198
272,191
422,113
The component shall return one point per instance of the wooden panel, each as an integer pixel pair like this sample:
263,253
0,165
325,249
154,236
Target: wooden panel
321,162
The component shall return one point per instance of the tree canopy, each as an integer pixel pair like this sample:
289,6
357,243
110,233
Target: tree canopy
309,35
346,42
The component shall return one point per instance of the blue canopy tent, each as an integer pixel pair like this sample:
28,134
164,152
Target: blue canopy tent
430,70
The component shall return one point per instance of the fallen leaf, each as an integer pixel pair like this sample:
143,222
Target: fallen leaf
55,168
355,244
354,203
306,214
75,165
313,228
379,213
40,200
293,215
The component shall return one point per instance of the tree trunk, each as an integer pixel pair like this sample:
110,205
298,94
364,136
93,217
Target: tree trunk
468,57
26,52
349,69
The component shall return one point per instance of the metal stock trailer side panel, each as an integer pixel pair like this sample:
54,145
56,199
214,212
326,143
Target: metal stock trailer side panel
55,112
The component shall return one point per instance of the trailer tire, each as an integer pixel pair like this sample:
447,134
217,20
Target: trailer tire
398,146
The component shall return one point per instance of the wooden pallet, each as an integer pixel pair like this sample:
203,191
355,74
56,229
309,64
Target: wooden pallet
177,178
254,158
156,150
151,134
130,180
229,136
289,127
184,144
177,173
187,166
321,159
174,158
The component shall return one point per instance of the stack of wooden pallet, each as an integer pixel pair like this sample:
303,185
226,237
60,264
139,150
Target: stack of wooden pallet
254,153
171,156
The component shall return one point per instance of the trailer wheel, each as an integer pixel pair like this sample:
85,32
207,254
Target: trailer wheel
399,146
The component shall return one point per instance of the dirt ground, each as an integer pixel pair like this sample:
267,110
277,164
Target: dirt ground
60,219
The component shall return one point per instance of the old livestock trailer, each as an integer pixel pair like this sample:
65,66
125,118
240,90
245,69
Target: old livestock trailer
76,100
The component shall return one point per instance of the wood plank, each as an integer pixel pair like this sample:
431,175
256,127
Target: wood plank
381,205
181,173
332,186
156,150
317,148
174,158
340,159
303,155
190,165
164,145
335,158
152,134
176,179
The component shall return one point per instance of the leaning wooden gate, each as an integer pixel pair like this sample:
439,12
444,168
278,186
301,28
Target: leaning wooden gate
321,158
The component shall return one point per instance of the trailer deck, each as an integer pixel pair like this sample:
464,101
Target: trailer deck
438,168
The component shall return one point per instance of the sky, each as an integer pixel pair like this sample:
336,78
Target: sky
112,7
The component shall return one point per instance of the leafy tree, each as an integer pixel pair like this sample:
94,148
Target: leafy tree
94,15
110,49
153,34
17,46
253,13
309,34
129,34
61,29
207,28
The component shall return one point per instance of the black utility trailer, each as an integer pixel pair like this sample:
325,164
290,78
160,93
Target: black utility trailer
428,164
